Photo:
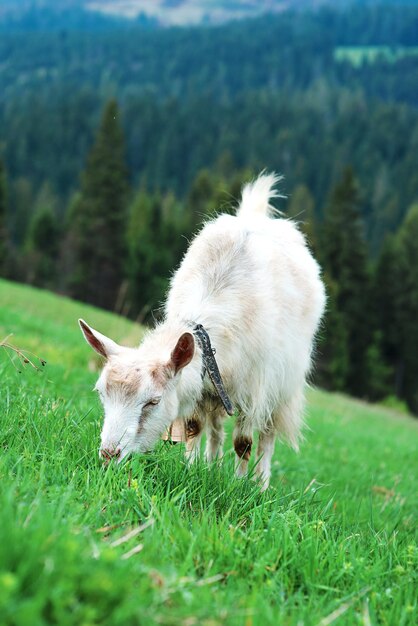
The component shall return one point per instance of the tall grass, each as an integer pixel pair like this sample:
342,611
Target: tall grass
334,540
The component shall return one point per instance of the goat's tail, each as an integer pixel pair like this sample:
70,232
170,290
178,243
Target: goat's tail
256,196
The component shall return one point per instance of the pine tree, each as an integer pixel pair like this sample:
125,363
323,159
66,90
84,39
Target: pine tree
142,235
22,200
98,220
345,258
4,236
213,193
200,199
301,209
156,244
332,353
380,373
43,248
387,298
407,317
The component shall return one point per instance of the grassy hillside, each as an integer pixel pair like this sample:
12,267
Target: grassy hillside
334,540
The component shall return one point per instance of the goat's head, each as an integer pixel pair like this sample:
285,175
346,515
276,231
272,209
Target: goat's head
139,393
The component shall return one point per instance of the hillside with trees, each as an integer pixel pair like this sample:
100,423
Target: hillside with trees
117,142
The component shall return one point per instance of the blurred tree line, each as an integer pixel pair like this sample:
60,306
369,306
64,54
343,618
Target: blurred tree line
269,91
201,111
116,247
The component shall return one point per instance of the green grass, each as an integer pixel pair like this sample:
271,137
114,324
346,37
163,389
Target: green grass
334,539
359,55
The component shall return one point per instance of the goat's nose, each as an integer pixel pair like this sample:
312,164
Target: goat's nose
110,453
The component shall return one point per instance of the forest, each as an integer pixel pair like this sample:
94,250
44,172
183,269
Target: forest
117,141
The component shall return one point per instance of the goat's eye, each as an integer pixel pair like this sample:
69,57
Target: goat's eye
152,402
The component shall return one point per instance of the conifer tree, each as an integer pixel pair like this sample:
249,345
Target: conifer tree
408,306
4,237
156,244
22,200
43,248
98,227
332,352
345,258
387,298
142,236
211,194
200,199
301,209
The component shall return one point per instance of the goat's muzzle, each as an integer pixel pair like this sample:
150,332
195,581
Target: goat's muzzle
110,453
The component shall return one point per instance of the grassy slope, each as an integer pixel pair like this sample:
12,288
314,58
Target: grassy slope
336,532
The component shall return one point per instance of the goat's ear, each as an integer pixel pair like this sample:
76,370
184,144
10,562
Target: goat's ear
183,352
102,344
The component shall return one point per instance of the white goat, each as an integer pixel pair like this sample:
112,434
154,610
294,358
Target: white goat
249,283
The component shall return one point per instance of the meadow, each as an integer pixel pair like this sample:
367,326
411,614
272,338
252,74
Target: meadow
152,541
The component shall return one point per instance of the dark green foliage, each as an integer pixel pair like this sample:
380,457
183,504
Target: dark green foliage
369,345
204,110
332,353
10,261
388,293
160,227
215,191
301,208
156,241
200,197
97,233
269,93
43,248
4,237
22,201
396,297
344,252
408,307
379,373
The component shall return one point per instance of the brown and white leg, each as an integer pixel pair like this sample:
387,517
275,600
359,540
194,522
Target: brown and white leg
242,444
265,451
215,435
194,430
288,419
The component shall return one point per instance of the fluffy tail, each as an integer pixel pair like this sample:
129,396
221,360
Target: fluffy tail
256,196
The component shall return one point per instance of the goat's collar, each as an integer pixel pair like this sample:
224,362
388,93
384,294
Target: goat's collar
210,366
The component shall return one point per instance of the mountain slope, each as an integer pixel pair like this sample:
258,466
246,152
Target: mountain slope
336,534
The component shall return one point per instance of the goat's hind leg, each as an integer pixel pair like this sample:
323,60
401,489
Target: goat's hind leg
265,451
287,422
243,442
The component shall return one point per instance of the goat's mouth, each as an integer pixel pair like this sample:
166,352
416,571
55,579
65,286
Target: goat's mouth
107,455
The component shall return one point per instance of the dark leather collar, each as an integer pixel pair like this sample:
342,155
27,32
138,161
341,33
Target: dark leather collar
210,366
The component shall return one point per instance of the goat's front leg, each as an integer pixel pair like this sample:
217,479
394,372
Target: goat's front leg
194,430
242,444
265,451
215,435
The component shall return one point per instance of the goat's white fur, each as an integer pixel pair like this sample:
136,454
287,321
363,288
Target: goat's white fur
252,282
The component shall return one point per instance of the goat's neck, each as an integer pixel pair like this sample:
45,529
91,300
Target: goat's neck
189,384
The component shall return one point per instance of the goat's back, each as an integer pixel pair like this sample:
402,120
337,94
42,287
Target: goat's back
253,283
